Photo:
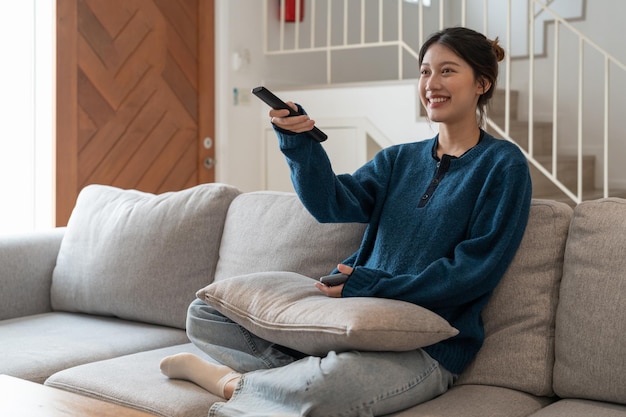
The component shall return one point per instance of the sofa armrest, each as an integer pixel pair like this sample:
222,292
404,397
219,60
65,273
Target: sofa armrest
26,264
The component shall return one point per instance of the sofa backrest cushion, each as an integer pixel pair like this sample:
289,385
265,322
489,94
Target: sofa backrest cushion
591,317
518,352
139,256
272,231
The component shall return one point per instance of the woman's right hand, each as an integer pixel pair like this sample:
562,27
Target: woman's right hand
335,291
297,124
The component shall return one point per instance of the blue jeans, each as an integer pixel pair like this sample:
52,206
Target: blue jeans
276,383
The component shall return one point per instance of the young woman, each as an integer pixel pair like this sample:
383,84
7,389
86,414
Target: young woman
463,198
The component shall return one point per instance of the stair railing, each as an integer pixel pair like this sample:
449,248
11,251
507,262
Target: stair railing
535,7
608,59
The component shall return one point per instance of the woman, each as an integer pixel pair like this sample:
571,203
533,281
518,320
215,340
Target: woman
463,198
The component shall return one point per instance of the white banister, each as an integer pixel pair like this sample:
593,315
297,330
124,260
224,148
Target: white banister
605,131
485,16
463,13
345,22
581,75
400,45
507,79
531,79
329,19
282,24
362,21
380,21
442,6
313,20
555,99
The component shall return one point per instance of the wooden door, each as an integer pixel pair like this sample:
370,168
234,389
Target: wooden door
135,96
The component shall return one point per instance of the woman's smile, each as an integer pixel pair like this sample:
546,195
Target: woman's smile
436,100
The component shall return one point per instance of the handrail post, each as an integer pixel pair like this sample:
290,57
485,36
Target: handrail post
581,63
400,37
282,25
605,182
507,80
555,100
531,75
329,19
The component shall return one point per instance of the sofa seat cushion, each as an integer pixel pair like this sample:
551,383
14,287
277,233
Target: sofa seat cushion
478,401
124,252
591,318
35,347
272,231
581,408
286,308
518,352
135,381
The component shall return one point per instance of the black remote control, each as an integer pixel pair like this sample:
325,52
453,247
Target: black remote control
274,102
334,279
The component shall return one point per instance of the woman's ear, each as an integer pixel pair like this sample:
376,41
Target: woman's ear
483,86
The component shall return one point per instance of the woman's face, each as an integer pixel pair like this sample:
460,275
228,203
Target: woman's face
448,89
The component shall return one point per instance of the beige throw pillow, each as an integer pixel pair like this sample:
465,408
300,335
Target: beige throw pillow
286,308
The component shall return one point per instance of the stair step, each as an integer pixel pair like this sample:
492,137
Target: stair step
567,173
496,108
567,166
518,131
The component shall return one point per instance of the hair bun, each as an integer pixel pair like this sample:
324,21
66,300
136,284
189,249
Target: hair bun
497,49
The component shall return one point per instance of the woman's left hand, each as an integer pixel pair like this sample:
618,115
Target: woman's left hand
335,291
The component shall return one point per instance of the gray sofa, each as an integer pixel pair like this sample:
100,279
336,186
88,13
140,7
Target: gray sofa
92,308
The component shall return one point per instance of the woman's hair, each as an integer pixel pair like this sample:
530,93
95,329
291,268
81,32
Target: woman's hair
481,53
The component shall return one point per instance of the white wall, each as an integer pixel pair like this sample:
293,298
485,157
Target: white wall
238,126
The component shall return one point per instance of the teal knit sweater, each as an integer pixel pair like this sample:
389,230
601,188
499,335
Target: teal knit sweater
441,233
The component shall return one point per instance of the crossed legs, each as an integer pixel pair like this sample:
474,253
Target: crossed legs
237,351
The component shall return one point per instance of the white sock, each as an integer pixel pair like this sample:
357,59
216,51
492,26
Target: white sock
210,376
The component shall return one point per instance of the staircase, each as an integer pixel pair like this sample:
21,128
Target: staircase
567,165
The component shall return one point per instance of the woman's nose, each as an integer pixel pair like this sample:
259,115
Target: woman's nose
433,82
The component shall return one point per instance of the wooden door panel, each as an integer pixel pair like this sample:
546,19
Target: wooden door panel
135,95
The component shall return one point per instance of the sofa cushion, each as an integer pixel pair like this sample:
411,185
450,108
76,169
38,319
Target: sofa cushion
126,251
35,347
286,308
478,401
272,231
135,381
581,408
518,351
591,318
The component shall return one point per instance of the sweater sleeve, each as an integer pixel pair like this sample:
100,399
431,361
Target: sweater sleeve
478,262
329,197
